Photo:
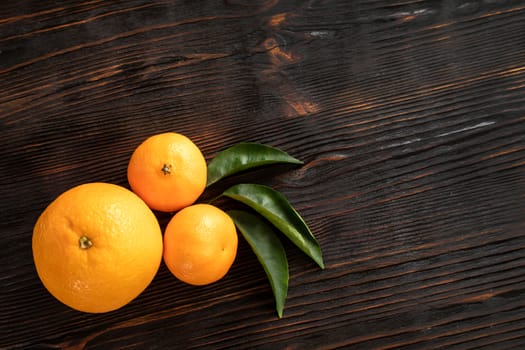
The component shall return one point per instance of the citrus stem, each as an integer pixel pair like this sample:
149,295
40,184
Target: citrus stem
166,169
84,242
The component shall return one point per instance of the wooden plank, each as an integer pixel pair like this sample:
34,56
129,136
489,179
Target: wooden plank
409,116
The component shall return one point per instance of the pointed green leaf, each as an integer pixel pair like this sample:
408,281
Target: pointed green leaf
276,209
244,156
269,251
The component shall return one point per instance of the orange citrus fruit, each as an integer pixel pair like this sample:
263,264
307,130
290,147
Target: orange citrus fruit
168,171
200,244
96,247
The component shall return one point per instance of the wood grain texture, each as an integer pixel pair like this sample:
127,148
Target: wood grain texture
409,115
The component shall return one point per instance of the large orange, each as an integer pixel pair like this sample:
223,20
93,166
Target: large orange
168,171
200,244
96,247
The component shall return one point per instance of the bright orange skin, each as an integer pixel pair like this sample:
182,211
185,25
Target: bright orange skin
200,244
168,171
125,252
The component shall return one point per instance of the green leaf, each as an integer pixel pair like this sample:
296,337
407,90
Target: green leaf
276,209
244,156
269,251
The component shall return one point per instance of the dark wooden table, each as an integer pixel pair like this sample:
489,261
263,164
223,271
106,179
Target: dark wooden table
409,115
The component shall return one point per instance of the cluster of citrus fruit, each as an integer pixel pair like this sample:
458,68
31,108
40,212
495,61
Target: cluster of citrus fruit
97,246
